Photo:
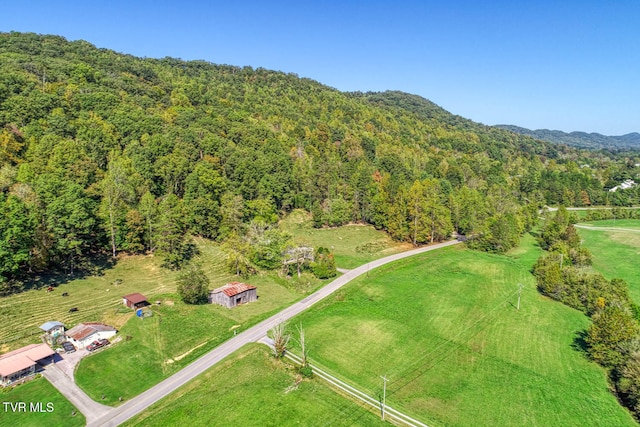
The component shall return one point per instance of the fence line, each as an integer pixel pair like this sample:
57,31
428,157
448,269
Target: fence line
363,397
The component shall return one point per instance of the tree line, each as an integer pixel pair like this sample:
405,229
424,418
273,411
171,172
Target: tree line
613,339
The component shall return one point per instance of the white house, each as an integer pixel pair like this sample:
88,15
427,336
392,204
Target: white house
628,183
84,334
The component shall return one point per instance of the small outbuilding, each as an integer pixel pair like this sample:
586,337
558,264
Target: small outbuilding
135,301
22,363
52,331
233,294
84,334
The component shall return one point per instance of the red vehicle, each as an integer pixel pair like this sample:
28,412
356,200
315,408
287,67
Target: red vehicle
97,344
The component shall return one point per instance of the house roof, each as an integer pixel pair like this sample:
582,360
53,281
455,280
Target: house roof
135,298
84,330
23,358
233,289
50,325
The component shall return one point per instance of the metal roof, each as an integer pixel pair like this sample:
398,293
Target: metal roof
50,325
234,288
22,358
135,298
84,330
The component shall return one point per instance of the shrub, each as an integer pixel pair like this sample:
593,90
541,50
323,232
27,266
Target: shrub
306,371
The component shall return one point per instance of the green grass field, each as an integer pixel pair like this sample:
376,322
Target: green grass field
443,327
177,334
98,298
38,390
615,252
352,245
251,388
160,345
173,337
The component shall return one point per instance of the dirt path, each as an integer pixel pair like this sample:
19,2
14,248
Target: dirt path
589,227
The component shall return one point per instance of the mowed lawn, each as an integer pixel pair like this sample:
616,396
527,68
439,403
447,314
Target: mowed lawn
38,391
444,328
615,252
158,346
352,245
155,347
251,388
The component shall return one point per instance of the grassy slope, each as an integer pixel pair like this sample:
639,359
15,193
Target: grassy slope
352,245
39,390
250,389
615,253
98,298
456,353
176,335
184,328
157,348
444,329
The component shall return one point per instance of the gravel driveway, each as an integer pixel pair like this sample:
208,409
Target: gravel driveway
60,375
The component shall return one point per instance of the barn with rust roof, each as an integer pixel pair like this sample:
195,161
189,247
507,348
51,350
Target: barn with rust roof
233,294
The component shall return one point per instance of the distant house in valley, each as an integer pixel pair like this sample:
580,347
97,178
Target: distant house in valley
627,183
52,331
135,301
233,294
22,363
84,334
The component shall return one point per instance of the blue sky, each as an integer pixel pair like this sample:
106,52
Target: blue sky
567,65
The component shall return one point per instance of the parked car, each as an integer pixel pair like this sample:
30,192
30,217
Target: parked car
68,347
97,344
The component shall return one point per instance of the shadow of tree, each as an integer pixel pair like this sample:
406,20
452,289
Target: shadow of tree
580,342
94,266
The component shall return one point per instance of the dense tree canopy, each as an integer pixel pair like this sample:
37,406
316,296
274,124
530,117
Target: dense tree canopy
101,151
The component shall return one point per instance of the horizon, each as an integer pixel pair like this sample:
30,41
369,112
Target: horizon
565,67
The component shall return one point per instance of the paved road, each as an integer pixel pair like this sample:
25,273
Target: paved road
139,403
87,406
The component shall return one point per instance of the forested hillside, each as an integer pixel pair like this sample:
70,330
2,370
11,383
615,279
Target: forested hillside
589,141
105,152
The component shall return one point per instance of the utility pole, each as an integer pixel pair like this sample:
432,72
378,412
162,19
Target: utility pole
384,394
520,286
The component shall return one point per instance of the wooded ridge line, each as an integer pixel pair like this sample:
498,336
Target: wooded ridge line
103,153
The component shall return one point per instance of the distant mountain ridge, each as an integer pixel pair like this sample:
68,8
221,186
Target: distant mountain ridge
590,141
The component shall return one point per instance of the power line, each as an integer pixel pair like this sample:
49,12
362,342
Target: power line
453,340
416,367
